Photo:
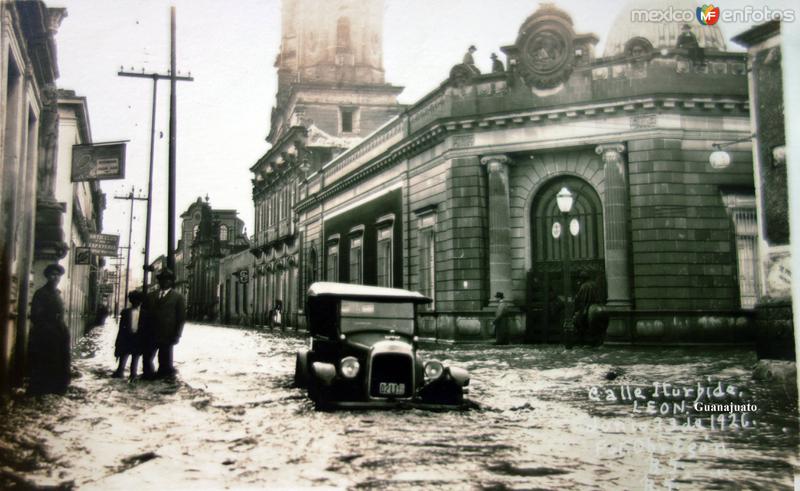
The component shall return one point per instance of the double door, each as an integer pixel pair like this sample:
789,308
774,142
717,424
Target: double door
565,247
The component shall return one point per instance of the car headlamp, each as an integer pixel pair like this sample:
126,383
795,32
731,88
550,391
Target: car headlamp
433,369
349,367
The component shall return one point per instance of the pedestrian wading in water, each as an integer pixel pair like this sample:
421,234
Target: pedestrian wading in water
165,314
129,339
49,339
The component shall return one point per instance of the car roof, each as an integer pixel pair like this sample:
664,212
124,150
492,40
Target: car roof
364,292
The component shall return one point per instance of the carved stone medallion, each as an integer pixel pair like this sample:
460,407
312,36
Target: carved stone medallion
546,48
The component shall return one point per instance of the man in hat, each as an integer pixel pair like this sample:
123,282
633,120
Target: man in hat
588,295
49,341
469,59
501,319
497,65
165,315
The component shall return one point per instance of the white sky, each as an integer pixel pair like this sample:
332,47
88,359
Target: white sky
229,47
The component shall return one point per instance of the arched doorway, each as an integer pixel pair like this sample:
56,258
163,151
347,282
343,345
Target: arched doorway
556,239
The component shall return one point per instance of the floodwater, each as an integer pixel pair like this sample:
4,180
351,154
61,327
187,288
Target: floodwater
537,418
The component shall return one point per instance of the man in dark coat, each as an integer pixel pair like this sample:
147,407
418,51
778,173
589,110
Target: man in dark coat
49,341
497,65
165,316
588,295
128,341
501,320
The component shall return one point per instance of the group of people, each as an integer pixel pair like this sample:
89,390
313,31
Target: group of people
469,61
152,325
588,321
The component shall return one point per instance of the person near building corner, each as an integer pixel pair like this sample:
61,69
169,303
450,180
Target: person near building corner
588,295
501,319
49,341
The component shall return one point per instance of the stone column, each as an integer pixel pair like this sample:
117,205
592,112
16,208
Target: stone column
499,226
615,215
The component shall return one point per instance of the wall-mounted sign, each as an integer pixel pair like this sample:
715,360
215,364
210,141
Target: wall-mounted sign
244,276
98,161
104,244
83,255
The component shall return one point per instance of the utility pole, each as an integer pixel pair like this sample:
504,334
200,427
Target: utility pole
172,75
172,137
132,198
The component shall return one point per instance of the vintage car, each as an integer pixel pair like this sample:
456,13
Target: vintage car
363,351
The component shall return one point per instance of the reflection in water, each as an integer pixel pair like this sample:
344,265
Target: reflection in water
538,417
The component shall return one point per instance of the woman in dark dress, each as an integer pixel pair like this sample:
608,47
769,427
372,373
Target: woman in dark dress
49,341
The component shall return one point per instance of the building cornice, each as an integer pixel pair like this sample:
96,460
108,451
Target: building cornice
439,129
758,34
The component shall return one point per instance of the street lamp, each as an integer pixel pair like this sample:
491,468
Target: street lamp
721,159
565,199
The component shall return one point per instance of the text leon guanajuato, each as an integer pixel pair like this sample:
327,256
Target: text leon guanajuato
665,398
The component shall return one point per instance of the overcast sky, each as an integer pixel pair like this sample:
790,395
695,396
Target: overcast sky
229,48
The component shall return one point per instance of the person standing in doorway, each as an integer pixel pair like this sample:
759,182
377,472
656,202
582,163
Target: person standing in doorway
588,295
49,341
165,316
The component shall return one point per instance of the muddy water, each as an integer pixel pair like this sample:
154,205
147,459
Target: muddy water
539,417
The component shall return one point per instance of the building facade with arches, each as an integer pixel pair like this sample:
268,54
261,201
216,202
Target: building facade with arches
457,196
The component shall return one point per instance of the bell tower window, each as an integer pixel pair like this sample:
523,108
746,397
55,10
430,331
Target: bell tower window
347,119
343,35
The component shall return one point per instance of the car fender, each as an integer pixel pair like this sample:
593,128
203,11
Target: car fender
324,372
459,375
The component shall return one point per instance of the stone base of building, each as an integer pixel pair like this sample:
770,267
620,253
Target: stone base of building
629,327
470,327
675,328
774,330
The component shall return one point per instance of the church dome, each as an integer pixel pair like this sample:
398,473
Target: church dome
660,34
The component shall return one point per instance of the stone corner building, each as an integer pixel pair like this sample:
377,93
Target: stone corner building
774,326
455,196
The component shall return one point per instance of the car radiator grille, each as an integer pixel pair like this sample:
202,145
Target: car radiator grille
392,375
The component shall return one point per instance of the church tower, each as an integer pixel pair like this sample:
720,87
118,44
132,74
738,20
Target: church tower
330,69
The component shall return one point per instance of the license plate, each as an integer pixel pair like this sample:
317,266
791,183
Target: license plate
391,389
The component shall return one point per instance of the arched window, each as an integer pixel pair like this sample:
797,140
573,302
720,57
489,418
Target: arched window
195,231
223,232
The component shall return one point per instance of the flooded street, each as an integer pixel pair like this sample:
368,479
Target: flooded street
538,418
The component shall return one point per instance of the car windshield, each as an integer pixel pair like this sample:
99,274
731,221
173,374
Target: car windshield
377,316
